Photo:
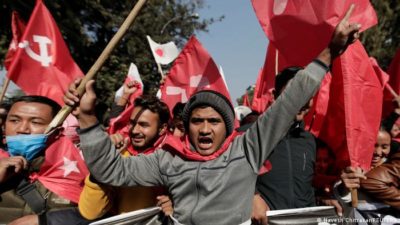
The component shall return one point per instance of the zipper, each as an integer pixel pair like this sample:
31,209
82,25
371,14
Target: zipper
197,193
291,194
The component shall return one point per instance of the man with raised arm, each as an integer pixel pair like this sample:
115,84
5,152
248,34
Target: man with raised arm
211,176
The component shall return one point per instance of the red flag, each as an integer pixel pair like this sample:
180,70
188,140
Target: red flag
387,105
4,154
18,28
382,76
274,63
246,101
394,83
353,117
42,64
394,72
302,29
192,71
121,123
63,170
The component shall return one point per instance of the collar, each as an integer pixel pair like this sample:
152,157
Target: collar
182,147
157,144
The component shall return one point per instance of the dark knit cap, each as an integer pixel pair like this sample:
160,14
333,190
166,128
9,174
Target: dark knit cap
217,101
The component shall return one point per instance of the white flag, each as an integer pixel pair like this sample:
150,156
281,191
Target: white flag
133,74
163,53
221,71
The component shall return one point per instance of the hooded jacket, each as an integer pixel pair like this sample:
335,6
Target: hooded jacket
217,191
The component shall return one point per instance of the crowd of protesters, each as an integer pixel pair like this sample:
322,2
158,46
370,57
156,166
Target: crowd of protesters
196,165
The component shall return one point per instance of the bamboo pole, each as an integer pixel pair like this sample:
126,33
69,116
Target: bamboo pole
160,70
390,89
276,62
4,89
66,110
354,198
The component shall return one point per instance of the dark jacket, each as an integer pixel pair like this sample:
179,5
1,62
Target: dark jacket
289,183
383,182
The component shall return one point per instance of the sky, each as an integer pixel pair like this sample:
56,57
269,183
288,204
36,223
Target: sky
237,43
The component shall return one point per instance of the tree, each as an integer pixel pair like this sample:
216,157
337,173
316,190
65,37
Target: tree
88,25
383,40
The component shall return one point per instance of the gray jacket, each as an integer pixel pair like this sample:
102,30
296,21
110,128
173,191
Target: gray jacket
218,191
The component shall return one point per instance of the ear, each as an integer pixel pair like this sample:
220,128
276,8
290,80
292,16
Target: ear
274,93
162,129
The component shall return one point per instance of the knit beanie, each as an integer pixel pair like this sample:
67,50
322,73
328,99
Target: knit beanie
217,101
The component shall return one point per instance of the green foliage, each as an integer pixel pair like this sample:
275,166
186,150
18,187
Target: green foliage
383,40
88,25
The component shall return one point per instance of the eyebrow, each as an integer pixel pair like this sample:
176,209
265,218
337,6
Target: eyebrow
31,118
212,119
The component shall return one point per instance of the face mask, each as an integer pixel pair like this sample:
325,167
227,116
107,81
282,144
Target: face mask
27,146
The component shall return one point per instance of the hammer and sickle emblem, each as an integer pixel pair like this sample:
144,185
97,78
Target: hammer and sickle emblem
43,57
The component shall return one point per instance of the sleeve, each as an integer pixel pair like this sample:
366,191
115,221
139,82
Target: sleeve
63,217
262,137
107,165
382,183
95,200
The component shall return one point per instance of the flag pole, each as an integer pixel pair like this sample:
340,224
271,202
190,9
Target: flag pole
276,62
4,89
66,110
160,70
354,198
390,89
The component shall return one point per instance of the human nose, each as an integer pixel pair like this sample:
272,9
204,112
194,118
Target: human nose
135,129
378,151
23,128
205,128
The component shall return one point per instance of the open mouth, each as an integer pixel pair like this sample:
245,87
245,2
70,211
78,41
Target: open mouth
205,142
137,139
376,159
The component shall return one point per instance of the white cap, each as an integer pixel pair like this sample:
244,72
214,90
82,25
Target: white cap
241,112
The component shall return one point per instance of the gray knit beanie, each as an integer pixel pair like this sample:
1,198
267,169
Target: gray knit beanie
217,101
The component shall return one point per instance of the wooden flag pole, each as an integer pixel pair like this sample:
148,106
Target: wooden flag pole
390,89
354,198
160,70
66,110
276,62
4,89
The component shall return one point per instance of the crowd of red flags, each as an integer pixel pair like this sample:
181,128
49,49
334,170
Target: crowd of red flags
263,96
344,115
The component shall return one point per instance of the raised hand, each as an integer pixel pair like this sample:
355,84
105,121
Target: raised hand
345,33
84,107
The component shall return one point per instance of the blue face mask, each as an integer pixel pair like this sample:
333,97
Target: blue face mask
25,145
